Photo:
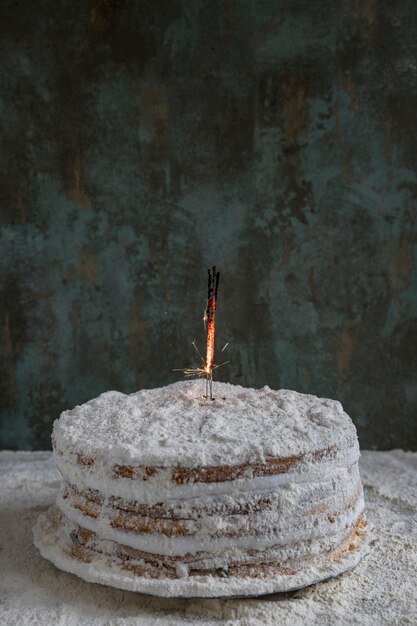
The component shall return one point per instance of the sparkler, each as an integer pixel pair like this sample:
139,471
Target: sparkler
210,315
209,319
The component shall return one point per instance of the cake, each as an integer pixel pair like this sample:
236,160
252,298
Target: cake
166,492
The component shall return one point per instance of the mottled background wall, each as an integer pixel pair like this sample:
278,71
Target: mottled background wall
144,141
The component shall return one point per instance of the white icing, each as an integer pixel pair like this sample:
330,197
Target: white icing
294,488
311,507
292,506
51,542
161,488
162,544
175,425
290,554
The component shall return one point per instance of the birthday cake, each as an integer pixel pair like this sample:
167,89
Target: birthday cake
166,492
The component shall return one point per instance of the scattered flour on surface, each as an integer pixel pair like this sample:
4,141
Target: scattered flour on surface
381,590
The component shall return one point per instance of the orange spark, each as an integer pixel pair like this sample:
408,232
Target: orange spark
213,283
207,365
210,317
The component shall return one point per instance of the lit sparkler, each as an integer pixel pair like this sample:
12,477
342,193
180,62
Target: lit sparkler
213,287
209,319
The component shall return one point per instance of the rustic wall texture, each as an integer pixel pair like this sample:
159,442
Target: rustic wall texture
145,141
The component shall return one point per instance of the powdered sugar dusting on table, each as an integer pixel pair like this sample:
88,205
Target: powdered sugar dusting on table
381,590
176,425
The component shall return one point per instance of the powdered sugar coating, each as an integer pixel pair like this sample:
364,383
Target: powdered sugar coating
176,425
273,489
51,538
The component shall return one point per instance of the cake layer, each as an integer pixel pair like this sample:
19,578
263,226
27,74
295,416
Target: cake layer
289,559
242,513
175,426
158,485
58,543
264,533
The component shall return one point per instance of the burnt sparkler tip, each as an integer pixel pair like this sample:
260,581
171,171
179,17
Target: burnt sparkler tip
213,282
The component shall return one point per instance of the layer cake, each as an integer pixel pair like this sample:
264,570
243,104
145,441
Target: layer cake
167,492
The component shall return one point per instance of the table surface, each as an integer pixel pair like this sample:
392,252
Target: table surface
381,590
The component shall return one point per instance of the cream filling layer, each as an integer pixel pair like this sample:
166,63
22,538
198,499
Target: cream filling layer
222,515
160,488
289,555
52,539
170,546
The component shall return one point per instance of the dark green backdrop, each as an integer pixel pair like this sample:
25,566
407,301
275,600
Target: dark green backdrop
144,141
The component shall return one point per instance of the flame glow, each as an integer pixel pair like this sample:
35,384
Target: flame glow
209,319
211,329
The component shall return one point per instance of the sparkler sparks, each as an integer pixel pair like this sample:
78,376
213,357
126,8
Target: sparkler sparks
209,318
213,287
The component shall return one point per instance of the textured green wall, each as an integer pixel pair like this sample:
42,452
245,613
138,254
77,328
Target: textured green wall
145,141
